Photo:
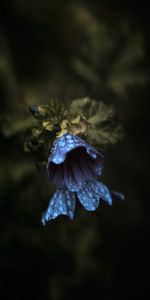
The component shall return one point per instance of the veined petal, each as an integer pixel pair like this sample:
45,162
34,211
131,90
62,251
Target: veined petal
72,182
62,203
73,162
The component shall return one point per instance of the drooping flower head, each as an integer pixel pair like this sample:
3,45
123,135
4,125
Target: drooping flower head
73,165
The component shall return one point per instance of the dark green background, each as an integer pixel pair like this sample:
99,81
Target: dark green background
68,50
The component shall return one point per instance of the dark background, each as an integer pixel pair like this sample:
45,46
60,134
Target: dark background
68,50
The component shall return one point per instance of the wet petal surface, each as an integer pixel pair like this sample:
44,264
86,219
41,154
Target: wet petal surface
62,203
89,195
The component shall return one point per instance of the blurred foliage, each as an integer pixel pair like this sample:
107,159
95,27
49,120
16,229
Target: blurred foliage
73,50
109,57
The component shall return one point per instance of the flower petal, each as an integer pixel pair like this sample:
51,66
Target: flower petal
67,143
72,182
89,195
118,195
104,193
62,203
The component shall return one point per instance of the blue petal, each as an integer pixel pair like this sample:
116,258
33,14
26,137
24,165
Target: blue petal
104,193
62,203
89,195
67,143
118,195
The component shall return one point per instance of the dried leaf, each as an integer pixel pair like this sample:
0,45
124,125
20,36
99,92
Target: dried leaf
104,136
98,114
47,125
